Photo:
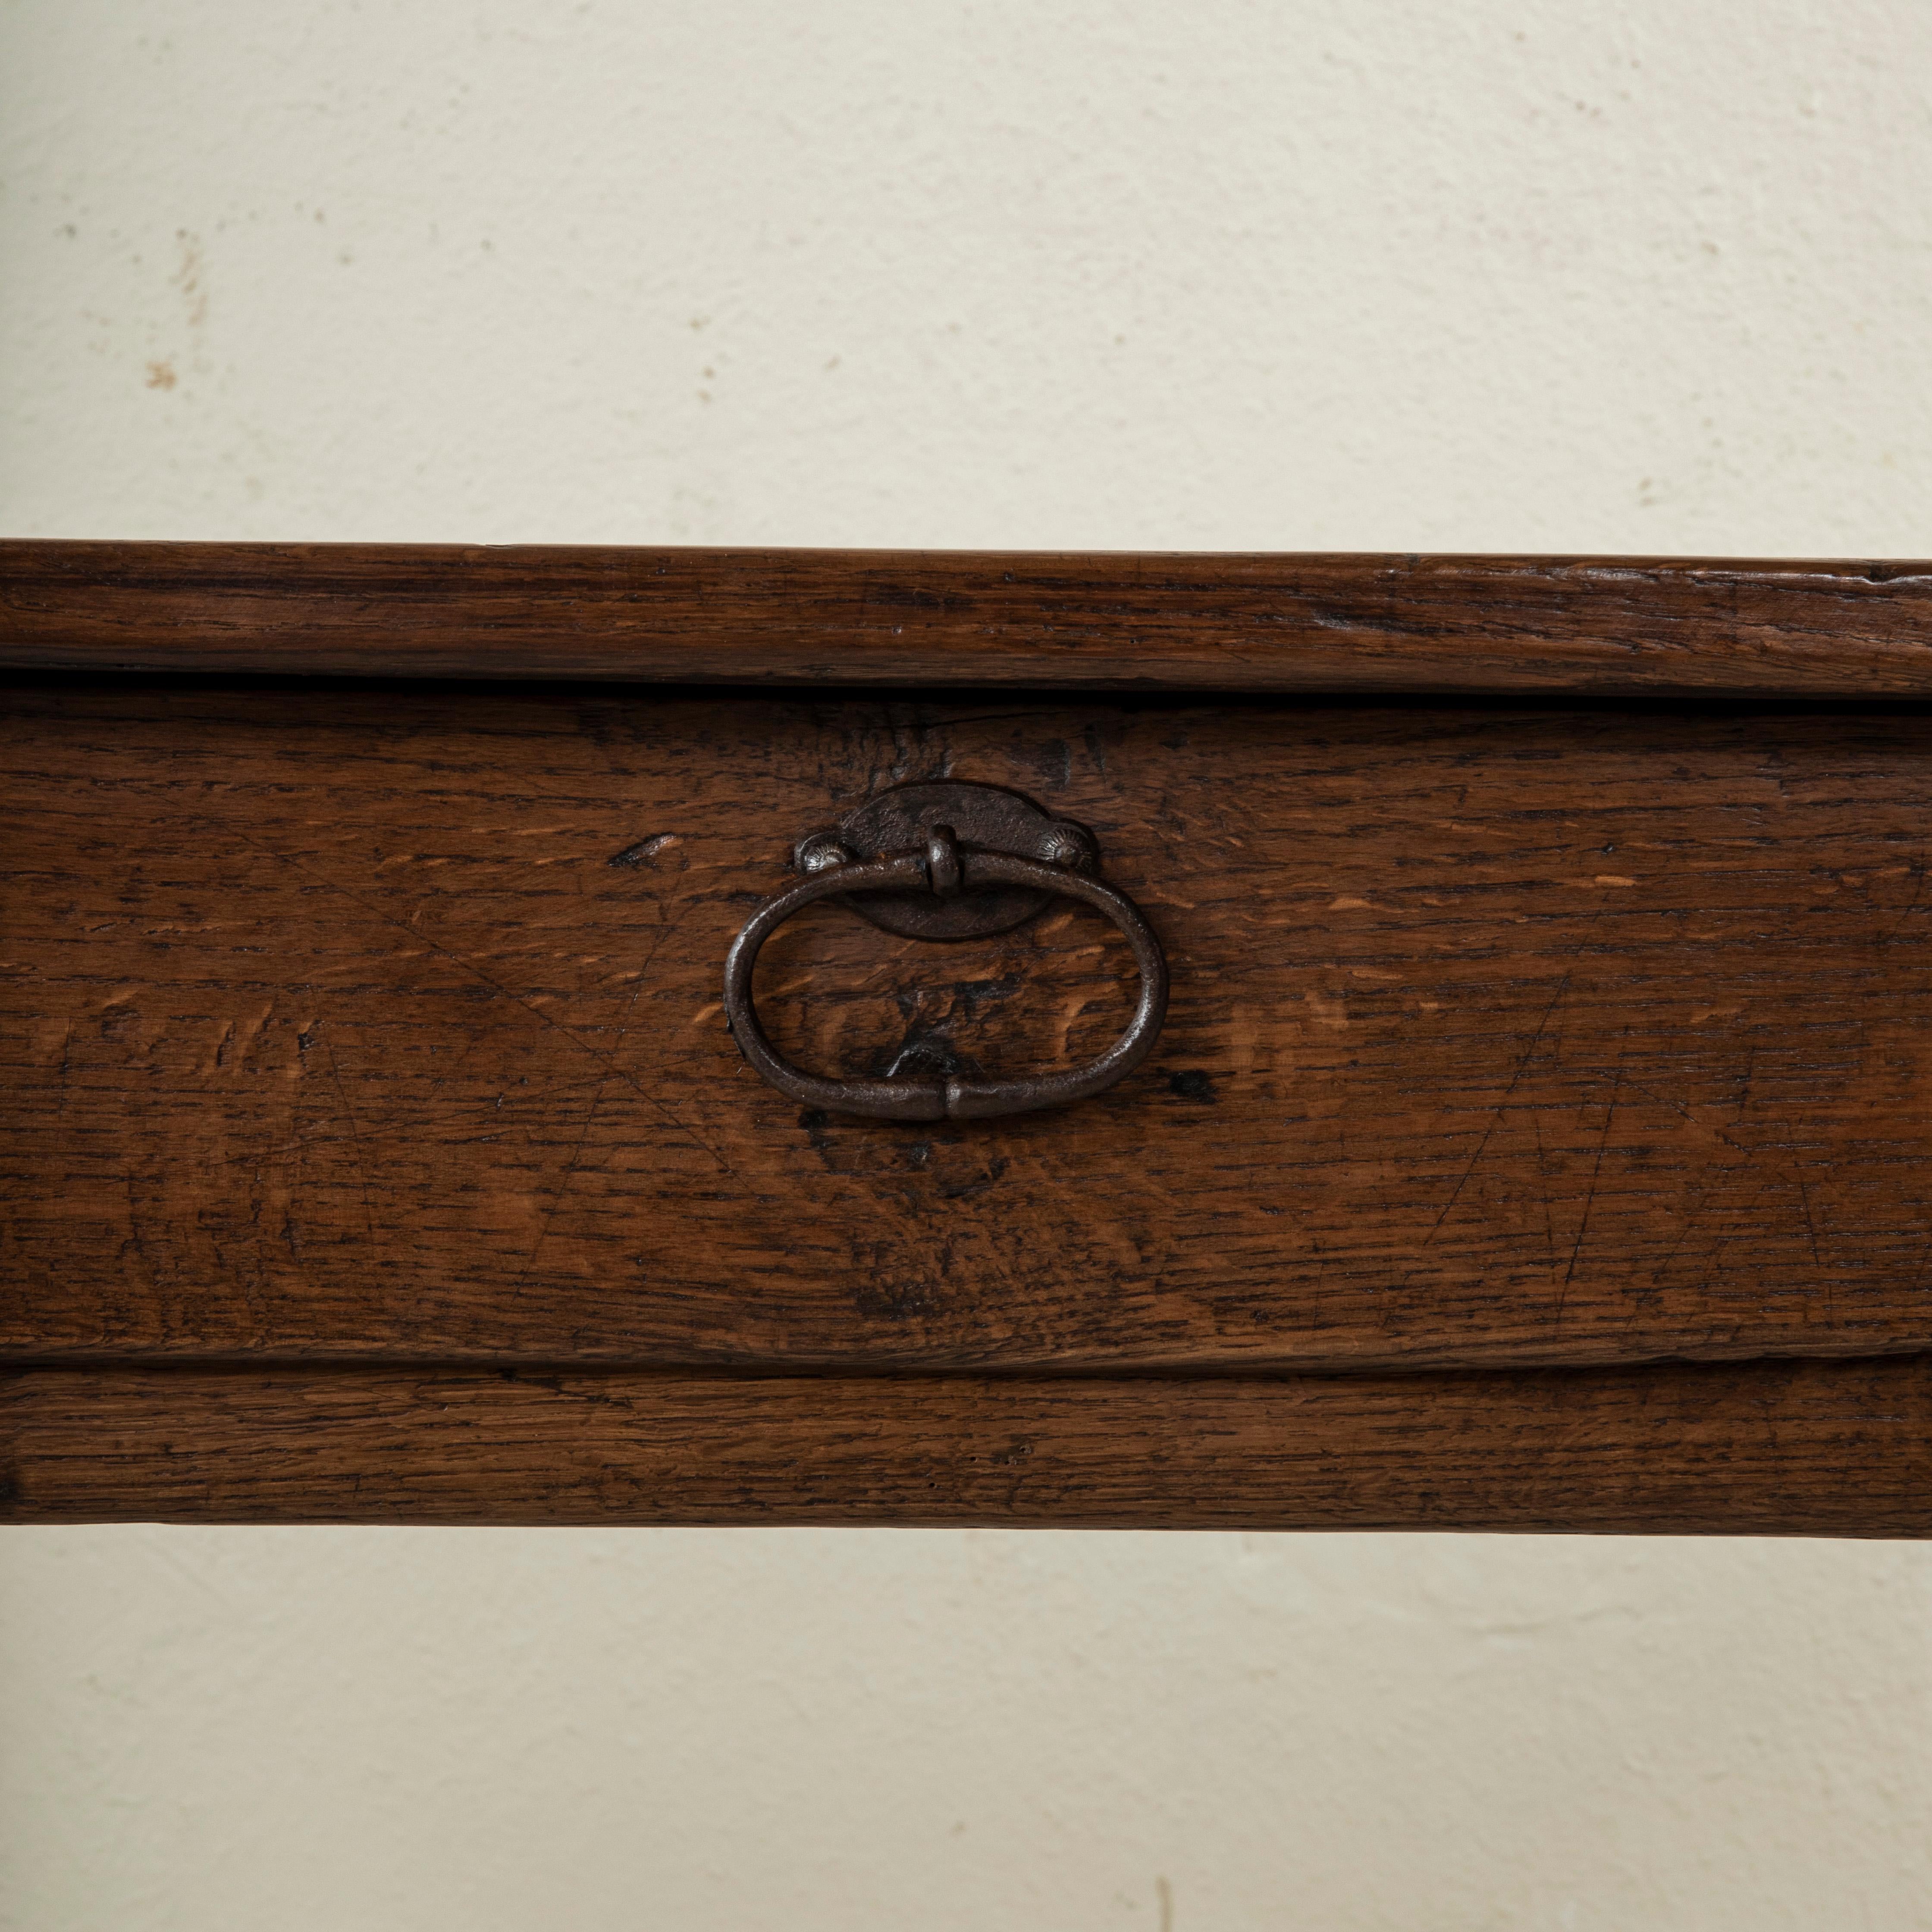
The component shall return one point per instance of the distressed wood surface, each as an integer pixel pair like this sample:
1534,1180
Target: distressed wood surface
1837,1449
382,1022
1261,623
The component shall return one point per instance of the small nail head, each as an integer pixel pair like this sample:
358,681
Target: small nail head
1068,846
821,853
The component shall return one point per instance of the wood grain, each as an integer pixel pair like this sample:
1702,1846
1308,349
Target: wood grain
1108,622
1811,1448
374,1023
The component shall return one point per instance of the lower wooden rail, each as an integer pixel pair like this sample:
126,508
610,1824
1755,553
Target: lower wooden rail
1814,1448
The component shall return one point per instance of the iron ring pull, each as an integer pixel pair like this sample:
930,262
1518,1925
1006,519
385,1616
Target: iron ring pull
943,867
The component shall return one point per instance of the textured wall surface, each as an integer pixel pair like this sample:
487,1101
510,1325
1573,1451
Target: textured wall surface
1325,273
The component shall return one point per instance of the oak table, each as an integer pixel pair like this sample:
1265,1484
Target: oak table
1237,1041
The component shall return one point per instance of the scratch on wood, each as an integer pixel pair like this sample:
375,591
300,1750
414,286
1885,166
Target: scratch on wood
563,1183
1590,1199
355,1134
1516,1080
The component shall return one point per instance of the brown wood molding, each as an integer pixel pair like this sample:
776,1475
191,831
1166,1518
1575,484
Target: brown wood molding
1804,1448
1308,623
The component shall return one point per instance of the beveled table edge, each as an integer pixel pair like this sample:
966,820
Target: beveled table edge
1134,622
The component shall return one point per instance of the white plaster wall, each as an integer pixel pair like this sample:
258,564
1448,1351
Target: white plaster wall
1372,274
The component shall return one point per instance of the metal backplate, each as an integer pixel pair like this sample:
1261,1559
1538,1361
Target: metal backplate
982,816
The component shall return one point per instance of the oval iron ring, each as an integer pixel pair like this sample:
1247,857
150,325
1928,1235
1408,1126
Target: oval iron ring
943,867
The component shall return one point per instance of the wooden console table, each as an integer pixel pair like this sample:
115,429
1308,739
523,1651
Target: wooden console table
1497,990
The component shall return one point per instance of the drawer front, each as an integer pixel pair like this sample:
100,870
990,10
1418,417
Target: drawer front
345,1023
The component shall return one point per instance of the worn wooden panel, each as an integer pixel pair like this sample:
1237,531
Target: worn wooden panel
1301,623
1818,1449
359,1023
